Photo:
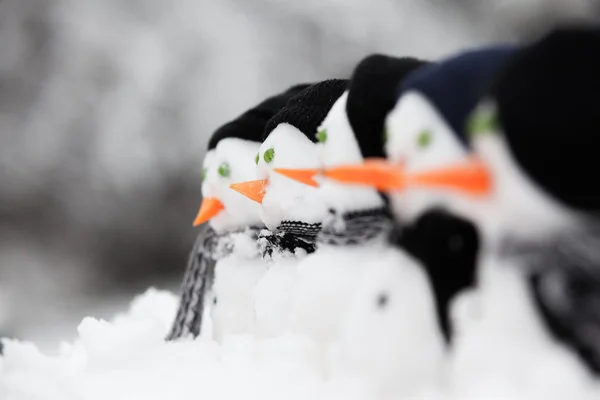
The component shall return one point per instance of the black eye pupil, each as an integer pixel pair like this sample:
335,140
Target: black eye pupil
215,301
382,300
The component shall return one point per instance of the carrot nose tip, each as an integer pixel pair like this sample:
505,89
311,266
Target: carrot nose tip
470,177
209,208
305,176
254,190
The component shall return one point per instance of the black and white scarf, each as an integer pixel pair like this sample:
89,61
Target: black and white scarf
199,276
352,228
356,227
288,239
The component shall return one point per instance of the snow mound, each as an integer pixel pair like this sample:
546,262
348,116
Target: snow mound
128,358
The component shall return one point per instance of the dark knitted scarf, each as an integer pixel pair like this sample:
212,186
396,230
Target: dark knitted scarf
352,228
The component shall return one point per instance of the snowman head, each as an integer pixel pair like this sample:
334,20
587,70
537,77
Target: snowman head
229,159
290,144
425,129
229,162
281,198
351,131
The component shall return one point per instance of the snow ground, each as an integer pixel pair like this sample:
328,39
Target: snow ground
127,358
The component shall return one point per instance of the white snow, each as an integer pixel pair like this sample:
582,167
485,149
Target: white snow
127,358
390,343
326,284
508,350
273,295
236,277
377,358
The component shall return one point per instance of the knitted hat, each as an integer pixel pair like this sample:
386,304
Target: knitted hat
251,124
372,94
455,85
306,110
549,110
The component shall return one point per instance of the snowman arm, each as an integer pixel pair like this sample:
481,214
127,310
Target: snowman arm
198,279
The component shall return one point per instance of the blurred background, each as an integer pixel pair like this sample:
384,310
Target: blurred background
106,107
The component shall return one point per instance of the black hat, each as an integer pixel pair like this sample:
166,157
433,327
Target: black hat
455,85
372,94
548,100
251,124
306,110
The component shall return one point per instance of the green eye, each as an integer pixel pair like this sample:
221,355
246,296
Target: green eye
269,155
483,120
424,139
256,159
204,171
322,136
224,170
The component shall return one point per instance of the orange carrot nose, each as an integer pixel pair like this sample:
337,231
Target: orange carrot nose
471,177
209,208
305,176
254,190
377,173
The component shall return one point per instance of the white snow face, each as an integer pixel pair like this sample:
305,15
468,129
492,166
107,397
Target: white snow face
418,136
338,146
418,139
230,162
287,199
392,336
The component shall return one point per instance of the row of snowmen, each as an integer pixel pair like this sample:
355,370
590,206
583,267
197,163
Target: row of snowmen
424,224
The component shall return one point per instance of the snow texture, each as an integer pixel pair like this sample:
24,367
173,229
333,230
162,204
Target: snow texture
376,358
128,358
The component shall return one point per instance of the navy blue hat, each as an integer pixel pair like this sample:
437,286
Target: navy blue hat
455,85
